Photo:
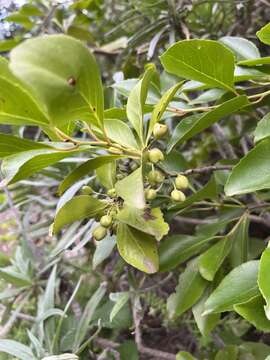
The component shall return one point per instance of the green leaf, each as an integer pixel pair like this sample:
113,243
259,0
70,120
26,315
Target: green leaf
264,34
146,220
206,61
78,208
239,286
137,248
85,169
257,163
229,352
87,316
194,124
161,106
131,189
120,300
243,48
253,312
64,75
136,101
8,44
260,61
188,291
106,174
240,242
119,132
263,280
26,110
183,355
258,350
128,350
205,323
21,19
103,250
16,349
262,130
211,260
26,163
10,144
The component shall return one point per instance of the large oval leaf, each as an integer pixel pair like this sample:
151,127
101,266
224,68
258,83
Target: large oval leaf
238,287
64,75
206,61
137,248
252,173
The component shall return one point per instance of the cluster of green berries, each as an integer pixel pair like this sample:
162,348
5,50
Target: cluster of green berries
100,232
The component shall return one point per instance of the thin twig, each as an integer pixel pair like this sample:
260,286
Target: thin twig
206,169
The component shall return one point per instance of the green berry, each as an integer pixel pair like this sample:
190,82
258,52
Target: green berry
178,196
155,177
112,193
106,221
181,182
86,190
160,130
155,155
150,194
99,233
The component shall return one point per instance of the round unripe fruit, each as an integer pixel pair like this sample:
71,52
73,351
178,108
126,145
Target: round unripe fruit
181,182
150,194
178,196
106,221
86,190
155,155
160,130
99,233
155,177
112,193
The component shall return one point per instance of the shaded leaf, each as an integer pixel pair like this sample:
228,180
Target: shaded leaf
16,349
262,130
263,279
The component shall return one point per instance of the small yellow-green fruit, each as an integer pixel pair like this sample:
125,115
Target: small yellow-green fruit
112,193
106,221
155,177
160,130
150,194
178,196
155,155
181,182
86,190
99,233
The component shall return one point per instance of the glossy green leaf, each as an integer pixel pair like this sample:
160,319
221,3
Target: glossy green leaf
206,61
20,19
263,280
194,124
87,316
257,163
136,101
239,286
161,106
26,163
8,44
64,75
119,132
84,169
131,189
211,260
253,312
106,174
262,130
254,62
137,248
239,238
205,323
188,291
146,220
243,48
78,208
16,349
264,34
26,110
10,144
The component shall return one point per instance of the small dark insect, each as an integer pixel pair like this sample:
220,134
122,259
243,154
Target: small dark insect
72,81
147,215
